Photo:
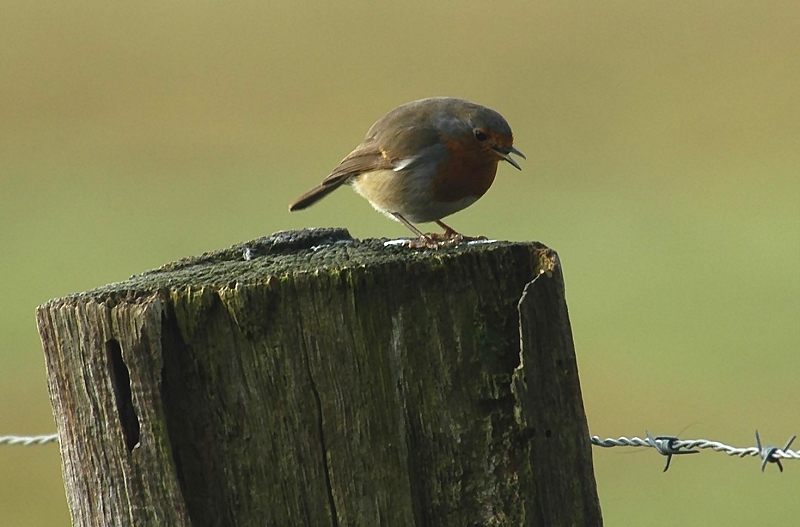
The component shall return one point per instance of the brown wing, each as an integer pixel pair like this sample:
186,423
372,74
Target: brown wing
365,158
395,142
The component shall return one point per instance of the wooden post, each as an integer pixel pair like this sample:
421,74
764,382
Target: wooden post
322,380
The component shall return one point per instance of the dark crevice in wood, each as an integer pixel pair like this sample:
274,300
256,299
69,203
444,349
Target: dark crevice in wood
323,446
179,416
121,382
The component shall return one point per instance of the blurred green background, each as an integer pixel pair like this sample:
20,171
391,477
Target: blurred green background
663,143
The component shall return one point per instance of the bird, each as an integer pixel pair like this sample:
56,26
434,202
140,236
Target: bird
423,161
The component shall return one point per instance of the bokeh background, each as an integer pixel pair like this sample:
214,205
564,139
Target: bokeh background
663,143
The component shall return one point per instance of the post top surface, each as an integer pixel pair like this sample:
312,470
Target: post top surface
283,253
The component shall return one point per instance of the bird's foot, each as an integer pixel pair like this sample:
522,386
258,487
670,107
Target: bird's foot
449,235
425,242
435,240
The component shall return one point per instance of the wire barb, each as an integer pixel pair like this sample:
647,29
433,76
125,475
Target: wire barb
667,446
769,453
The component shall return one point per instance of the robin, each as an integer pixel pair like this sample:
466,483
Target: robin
423,161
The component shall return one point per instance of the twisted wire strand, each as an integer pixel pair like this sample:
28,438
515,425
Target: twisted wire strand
28,440
609,442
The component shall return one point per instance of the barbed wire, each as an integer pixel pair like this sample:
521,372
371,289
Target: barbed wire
28,440
667,446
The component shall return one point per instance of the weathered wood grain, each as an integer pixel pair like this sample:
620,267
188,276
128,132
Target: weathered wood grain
323,381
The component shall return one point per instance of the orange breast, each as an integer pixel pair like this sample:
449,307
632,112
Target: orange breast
467,172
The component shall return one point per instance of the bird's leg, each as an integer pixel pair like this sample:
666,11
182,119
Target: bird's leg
408,224
449,232
454,236
423,239
427,241
450,236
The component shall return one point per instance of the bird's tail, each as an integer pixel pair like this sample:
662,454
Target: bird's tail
316,194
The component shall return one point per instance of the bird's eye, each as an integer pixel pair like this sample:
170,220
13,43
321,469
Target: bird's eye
480,135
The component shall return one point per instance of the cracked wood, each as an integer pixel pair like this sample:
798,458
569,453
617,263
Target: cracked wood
323,380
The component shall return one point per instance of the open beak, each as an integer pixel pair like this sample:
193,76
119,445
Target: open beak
505,154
